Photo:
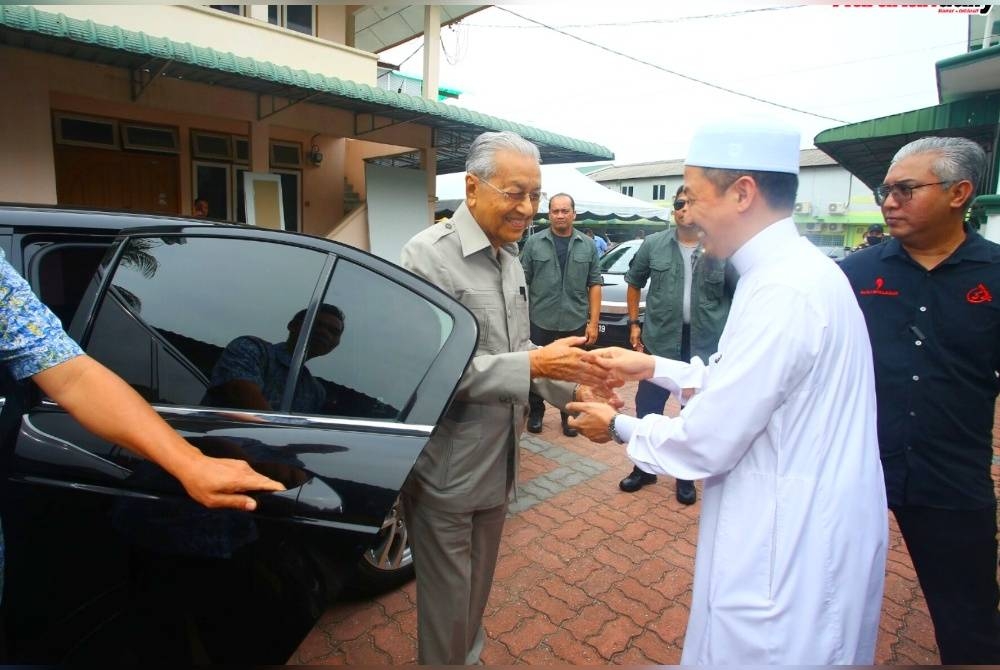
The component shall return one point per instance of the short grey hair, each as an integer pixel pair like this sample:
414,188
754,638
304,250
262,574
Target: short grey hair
481,160
958,159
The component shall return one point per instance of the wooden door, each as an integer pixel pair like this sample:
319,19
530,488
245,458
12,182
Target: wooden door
109,179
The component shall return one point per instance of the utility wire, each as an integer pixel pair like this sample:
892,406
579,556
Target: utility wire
639,22
669,71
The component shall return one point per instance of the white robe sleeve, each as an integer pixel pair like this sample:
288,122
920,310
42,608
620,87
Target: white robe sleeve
765,353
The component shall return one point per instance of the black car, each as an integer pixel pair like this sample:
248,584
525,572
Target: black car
107,559
612,328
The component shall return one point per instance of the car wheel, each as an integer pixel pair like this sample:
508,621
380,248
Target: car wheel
388,562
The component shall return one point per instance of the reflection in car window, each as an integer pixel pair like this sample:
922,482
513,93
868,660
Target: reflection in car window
370,360
177,303
617,260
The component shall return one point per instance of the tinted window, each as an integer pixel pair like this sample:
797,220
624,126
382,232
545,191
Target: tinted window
61,274
372,344
205,321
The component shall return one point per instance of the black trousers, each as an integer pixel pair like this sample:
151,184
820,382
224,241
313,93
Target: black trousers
651,398
541,337
955,556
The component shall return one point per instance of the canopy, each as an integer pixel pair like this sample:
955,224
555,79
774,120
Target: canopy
593,201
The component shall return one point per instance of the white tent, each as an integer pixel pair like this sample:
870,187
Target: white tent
593,201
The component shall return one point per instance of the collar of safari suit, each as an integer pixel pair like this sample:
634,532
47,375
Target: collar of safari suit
471,235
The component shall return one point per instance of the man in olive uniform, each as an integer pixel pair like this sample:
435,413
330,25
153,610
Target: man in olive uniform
686,308
564,289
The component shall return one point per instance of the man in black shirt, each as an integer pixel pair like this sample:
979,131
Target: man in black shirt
928,299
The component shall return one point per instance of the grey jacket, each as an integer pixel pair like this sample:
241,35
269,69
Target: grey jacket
471,460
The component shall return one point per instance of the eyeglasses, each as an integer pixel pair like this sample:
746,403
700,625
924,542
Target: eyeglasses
902,192
515,196
680,204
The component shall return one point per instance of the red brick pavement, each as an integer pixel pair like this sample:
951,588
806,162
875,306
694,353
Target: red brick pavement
591,576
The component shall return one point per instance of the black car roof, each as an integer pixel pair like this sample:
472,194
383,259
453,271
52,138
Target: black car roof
44,216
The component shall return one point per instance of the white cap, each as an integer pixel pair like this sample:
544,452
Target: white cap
741,144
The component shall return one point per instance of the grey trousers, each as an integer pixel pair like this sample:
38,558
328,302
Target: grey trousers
455,555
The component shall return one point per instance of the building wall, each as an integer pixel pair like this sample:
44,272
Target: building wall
246,37
45,83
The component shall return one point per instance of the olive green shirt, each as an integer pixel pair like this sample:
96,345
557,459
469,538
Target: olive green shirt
659,260
559,300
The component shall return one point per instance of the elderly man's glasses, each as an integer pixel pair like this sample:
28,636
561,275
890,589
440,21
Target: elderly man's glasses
902,192
515,196
680,204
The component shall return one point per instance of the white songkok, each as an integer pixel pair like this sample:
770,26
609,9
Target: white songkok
741,144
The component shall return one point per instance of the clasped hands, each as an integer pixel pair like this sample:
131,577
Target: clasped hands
619,365
599,372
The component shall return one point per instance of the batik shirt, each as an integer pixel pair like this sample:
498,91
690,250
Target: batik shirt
31,337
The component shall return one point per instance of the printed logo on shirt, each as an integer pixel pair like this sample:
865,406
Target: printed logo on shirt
879,290
978,295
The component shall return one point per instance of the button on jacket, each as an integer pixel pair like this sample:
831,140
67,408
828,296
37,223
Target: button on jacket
659,260
938,337
471,460
560,299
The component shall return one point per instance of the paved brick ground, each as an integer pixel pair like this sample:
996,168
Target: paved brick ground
589,575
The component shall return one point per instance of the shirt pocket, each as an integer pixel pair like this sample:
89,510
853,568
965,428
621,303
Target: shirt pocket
713,281
489,315
579,268
661,274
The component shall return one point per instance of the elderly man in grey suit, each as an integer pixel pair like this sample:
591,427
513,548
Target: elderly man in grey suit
455,499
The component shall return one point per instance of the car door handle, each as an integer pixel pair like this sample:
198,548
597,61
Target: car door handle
314,497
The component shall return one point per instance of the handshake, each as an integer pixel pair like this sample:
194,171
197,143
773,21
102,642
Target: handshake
599,372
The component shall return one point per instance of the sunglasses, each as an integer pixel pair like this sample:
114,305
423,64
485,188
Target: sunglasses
680,204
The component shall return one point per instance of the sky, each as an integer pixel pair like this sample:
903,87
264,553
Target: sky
835,64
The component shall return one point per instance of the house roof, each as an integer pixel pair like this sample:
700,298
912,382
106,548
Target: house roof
454,127
675,167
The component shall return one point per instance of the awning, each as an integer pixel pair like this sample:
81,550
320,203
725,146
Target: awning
968,75
454,128
866,148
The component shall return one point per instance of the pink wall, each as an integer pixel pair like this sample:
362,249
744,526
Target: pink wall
44,83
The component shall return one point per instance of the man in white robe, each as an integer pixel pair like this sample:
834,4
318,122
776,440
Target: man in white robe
793,533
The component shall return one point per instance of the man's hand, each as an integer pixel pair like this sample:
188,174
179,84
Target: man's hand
623,363
592,419
219,482
563,359
603,395
591,333
635,337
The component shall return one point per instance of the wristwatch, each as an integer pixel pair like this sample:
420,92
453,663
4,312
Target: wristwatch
614,433
634,322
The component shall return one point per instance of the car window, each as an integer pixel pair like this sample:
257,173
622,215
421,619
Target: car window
618,259
372,343
61,272
202,321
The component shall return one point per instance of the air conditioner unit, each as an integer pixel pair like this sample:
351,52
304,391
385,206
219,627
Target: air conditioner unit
834,227
814,226
803,208
838,208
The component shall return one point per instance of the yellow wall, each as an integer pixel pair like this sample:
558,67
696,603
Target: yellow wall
251,38
45,83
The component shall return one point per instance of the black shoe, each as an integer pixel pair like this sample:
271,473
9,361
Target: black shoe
687,494
636,481
567,431
534,424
